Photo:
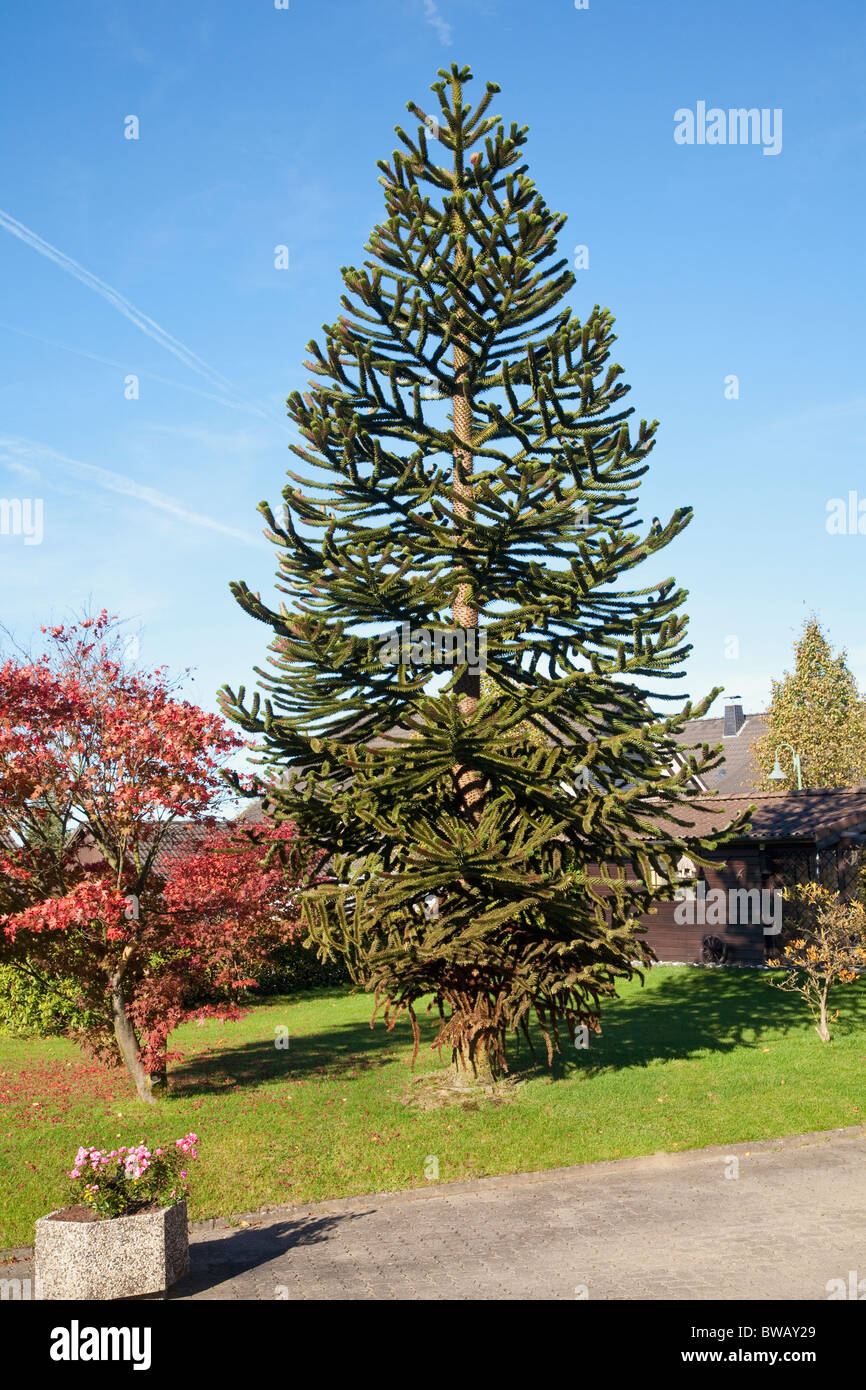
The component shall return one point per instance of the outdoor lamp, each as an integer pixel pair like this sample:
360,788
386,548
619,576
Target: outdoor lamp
777,775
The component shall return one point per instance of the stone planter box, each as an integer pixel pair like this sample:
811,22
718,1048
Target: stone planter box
124,1257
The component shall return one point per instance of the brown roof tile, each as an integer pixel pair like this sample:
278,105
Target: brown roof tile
821,814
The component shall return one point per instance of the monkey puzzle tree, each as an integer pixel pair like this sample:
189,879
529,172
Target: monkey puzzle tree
473,862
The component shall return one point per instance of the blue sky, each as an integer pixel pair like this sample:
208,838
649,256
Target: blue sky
260,127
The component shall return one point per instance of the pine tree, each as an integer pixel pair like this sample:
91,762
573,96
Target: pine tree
817,710
473,862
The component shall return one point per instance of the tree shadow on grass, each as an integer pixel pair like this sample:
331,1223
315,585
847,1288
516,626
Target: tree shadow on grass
694,1011
687,1012
347,1050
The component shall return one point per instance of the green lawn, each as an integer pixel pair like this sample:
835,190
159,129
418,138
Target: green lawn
694,1057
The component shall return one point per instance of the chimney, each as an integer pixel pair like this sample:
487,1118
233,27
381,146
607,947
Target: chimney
734,717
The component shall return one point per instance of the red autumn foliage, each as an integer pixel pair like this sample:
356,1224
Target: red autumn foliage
115,870
228,911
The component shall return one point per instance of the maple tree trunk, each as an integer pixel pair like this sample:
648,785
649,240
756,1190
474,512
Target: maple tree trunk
127,1042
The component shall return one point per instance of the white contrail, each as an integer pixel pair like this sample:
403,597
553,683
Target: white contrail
12,450
146,376
125,307
440,24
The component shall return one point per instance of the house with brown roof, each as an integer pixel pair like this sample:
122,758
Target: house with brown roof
731,912
736,731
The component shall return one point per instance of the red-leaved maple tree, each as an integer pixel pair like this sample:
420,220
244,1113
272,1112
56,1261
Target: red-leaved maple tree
115,869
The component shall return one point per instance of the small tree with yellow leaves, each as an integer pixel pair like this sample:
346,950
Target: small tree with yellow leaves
828,947
817,709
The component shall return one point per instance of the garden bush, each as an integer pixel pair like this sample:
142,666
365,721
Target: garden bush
29,1009
294,967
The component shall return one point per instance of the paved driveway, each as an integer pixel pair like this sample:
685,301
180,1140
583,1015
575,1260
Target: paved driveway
678,1226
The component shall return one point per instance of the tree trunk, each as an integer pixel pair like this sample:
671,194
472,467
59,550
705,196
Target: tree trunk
127,1042
464,612
475,1069
822,1029
470,1065
475,1039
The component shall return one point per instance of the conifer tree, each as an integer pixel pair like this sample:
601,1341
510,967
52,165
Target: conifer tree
470,465
818,711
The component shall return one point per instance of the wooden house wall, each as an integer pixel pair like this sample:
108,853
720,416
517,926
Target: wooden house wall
744,867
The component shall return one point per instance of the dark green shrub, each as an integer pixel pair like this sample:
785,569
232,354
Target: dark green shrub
295,967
